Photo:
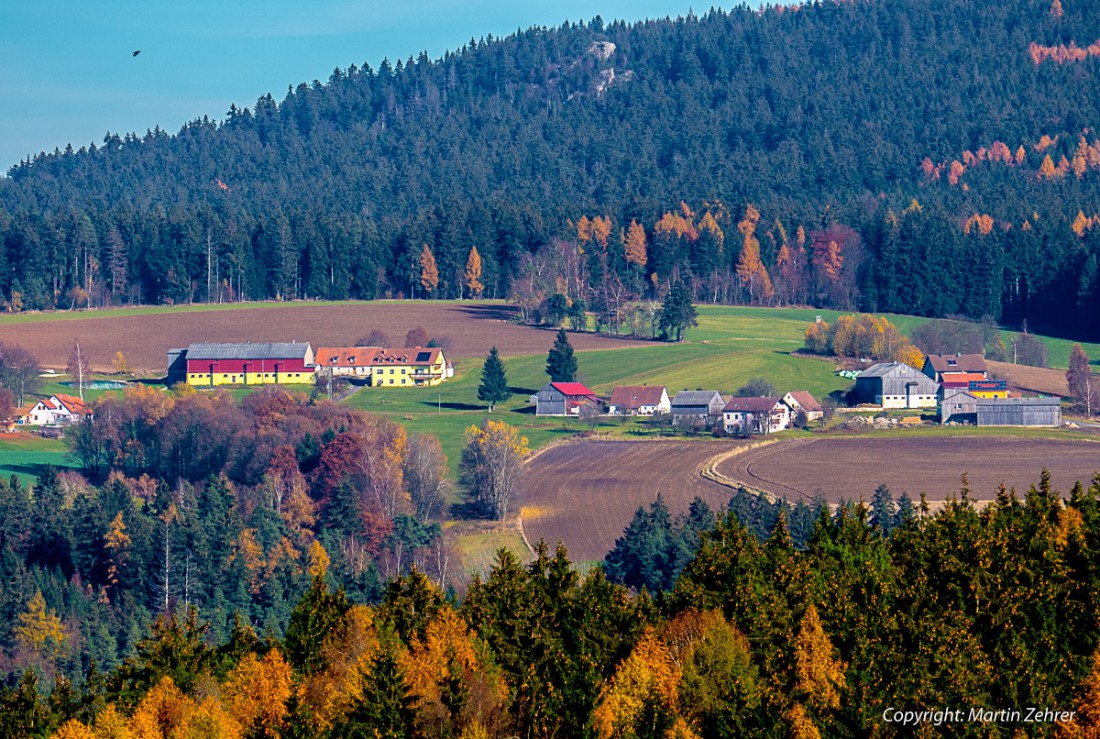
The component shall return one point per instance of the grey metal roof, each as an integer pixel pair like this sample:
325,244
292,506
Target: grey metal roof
249,350
882,369
695,397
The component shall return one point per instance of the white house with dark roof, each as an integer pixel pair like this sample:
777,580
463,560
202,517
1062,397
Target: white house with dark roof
756,415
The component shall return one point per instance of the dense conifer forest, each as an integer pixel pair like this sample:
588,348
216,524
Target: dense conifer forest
930,158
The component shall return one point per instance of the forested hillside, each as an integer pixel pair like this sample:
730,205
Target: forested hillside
929,158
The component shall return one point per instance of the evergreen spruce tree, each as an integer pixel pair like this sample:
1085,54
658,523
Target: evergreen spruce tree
677,313
494,383
883,509
561,364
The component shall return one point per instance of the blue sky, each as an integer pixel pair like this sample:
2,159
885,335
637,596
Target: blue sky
67,74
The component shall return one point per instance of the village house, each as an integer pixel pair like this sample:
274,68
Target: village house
801,401
380,367
895,385
563,399
208,364
755,415
941,367
57,410
696,407
639,400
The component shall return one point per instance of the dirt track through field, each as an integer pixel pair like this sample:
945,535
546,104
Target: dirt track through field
585,493
851,468
146,338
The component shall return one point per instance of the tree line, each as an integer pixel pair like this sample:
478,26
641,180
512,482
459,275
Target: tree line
627,157
964,607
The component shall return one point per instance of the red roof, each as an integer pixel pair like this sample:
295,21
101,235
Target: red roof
373,356
961,379
572,389
76,406
806,401
633,397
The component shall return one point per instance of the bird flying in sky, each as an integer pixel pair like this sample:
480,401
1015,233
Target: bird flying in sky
137,52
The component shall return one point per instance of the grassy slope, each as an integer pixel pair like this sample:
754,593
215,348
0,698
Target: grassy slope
24,455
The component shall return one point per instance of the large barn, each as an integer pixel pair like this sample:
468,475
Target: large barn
895,385
246,363
1019,412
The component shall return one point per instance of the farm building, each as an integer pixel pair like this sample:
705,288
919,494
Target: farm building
895,385
800,400
639,400
245,363
57,410
988,388
1019,412
941,367
414,367
563,399
696,407
956,405
756,415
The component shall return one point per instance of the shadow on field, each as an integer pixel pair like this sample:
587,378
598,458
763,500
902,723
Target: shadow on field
33,470
489,312
453,406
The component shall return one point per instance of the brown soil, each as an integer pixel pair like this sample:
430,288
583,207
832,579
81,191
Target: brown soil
1031,379
584,494
851,468
146,339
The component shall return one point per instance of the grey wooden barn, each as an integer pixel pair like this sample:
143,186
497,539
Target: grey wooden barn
895,385
1019,412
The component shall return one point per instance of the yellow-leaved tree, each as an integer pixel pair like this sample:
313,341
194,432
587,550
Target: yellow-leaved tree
635,245
450,663
38,631
429,272
256,692
818,671
750,270
645,687
473,274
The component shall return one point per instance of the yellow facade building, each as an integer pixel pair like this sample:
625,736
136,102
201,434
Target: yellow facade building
380,367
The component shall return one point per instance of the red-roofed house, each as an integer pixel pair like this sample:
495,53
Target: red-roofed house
801,400
58,410
563,399
411,367
638,400
756,415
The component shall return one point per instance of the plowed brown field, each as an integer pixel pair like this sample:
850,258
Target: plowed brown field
585,493
850,468
146,338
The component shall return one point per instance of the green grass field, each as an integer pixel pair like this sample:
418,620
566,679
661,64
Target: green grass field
24,455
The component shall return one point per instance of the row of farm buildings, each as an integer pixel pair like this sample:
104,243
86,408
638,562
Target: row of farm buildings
207,364
689,408
958,386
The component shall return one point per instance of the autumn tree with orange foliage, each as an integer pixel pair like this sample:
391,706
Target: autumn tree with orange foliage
474,286
751,272
635,245
429,272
